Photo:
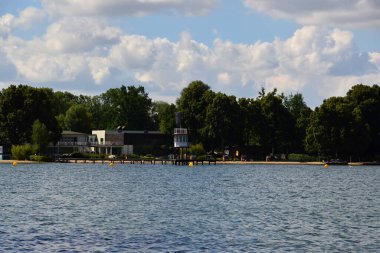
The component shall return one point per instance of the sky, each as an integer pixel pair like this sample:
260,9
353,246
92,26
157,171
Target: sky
317,48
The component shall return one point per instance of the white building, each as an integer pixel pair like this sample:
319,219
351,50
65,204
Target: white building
111,142
181,138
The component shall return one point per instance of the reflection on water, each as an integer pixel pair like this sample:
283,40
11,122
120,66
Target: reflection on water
132,208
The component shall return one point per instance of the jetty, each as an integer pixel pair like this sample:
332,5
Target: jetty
138,161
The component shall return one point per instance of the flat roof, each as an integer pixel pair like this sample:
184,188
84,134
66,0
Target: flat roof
68,132
128,132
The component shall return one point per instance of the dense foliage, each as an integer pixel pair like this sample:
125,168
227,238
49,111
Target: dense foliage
345,127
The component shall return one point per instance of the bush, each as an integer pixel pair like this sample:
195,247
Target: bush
148,157
21,152
202,157
197,149
40,158
96,156
78,155
133,156
301,158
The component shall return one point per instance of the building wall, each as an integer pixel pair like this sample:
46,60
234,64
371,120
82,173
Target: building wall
109,137
147,138
101,135
115,138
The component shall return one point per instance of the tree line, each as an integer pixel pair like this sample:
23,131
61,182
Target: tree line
271,123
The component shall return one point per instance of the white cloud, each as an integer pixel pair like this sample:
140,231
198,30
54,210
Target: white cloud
100,68
35,63
29,16
132,52
346,13
111,8
25,20
224,78
375,58
317,62
306,62
79,35
6,24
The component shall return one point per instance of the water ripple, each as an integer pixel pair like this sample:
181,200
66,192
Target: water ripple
143,208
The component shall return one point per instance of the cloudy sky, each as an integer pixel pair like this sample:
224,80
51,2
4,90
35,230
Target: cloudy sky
319,48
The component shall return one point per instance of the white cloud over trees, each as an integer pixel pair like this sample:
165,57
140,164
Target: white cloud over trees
88,53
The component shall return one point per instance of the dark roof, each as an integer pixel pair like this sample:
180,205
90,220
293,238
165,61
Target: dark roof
141,132
67,132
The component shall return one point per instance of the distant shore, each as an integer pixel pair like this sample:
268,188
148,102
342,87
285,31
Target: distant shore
288,163
17,161
217,162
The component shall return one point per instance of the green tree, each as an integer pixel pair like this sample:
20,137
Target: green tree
253,121
40,136
300,112
278,133
95,107
164,116
128,106
62,101
78,119
222,122
20,106
365,102
192,104
334,130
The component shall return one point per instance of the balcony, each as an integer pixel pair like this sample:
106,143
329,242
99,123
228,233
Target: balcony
178,131
87,144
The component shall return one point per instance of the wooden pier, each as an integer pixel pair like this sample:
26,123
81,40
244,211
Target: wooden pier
137,161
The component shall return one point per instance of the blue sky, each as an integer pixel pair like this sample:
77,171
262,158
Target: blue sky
320,49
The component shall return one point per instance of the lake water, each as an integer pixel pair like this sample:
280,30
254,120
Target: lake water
222,208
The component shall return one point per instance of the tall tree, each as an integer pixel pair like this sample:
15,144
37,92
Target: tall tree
128,106
253,121
279,131
40,136
192,104
78,119
164,116
301,114
223,124
334,130
365,101
63,101
20,106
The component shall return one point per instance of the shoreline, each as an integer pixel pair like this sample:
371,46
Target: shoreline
83,161
18,162
294,163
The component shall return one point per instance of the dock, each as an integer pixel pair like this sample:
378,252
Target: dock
137,161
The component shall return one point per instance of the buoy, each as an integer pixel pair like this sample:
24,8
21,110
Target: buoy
191,164
326,165
14,163
112,164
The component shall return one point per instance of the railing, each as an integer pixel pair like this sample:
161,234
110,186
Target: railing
87,144
180,130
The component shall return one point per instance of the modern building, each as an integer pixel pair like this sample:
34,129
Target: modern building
111,142
72,142
148,142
